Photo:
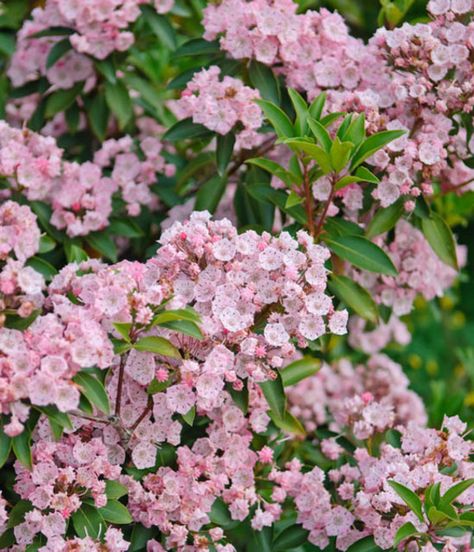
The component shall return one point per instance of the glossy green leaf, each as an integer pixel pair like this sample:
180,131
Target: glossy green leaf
275,396
178,314
361,253
301,110
224,149
115,512
366,176
160,26
5,447
441,239
317,106
43,267
210,194
340,154
189,416
114,489
299,370
220,516
88,522
321,134
59,50
405,531
291,537
157,345
119,102
104,244
453,492
312,150
197,47
93,390
263,79
385,219
410,498
127,228
278,118
367,544
98,116
21,445
62,99
123,329
354,296
293,200
185,327
356,131
274,168
374,143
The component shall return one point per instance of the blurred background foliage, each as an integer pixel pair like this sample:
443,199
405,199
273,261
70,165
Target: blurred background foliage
440,359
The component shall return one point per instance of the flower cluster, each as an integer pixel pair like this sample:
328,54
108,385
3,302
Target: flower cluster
20,285
221,105
79,193
363,502
63,473
342,395
420,271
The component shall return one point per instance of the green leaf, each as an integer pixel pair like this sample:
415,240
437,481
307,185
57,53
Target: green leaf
439,236
385,219
275,395
317,106
312,150
265,193
156,386
366,176
56,416
356,131
301,110
405,531
123,329
210,193
366,544
274,168
321,134
5,447
354,296
453,492
291,537
119,102
93,390
361,253
127,228
185,327
186,129
373,144
115,512
157,345
278,118
299,370
98,116
60,49
293,200
178,314
114,489
43,267
74,253
62,99
289,424
160,26
263,79
54,31
435,516
88,522
224,149
104,244
340,154
17,513
220,516
337,226
409,498
47,244
189,416
107,69
197,47
21,445
140,537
